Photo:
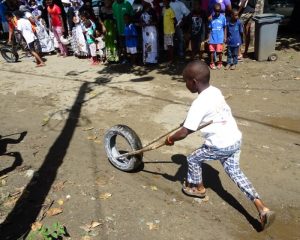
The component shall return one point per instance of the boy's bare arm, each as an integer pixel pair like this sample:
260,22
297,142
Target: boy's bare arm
177,136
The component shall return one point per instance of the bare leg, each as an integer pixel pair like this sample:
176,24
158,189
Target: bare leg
39,61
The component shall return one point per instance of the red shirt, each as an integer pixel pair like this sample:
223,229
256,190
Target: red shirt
55,13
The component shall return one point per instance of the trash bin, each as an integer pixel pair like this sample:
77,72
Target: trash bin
266,28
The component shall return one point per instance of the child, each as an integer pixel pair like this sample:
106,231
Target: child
91,40
197,23
217,35
222,138
169,29
25,27
100,45
130,38
234,39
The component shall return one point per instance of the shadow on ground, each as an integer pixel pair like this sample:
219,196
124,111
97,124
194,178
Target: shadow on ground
211,180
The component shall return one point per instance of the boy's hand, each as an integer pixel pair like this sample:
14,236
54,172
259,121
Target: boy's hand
169,141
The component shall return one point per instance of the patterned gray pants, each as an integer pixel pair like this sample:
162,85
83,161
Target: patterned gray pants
229,157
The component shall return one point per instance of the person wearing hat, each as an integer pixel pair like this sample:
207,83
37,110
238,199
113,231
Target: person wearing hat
150,38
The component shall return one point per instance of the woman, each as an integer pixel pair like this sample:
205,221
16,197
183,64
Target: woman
109,30
150,38
45,41
78,41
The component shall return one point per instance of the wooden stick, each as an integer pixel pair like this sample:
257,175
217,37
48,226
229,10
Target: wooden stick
150,145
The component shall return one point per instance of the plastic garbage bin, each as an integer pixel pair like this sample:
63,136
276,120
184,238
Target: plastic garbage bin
266,28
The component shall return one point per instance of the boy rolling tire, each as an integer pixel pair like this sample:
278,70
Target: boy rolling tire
113,151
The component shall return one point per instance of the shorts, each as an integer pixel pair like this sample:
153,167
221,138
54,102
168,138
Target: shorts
168,40
131,50
246,18
93,49
33,46
216,47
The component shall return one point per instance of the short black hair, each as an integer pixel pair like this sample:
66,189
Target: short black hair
9,14
217,5
19,14
197,70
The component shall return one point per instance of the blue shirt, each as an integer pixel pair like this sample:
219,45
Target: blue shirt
217,26
234,32
130,35
2,12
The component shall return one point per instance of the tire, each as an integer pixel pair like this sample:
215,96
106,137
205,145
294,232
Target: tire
9,54
131,162
273,57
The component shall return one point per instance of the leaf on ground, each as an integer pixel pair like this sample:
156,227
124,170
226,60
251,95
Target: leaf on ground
297,78
101,182
105,196
54,211
60,202
153,188
98,141
36,226
59,186
152,226
91,138
86,238
4,176
87,128
89,227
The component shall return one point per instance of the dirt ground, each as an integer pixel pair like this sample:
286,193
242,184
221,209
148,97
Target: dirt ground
60,163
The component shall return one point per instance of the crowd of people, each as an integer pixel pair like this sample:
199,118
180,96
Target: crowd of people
119,33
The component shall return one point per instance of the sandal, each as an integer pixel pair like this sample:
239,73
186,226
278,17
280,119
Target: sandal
193,192
266,219
212,66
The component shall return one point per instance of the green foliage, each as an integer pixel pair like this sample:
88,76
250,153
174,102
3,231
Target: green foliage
56,231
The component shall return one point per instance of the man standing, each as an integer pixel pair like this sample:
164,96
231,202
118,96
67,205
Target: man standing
120,8
181,13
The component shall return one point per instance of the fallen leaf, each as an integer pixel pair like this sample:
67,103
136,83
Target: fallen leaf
98,141
54,211
153,188
297,78
152,226
59,186
105,195
4,176
89,227
87,128
95,224
91,138
60,202
143,186
86,238
36,226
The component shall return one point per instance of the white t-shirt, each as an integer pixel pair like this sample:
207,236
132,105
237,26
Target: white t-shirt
179,9
24,26
211,105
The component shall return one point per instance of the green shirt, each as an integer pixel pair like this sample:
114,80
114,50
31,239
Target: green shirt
119,10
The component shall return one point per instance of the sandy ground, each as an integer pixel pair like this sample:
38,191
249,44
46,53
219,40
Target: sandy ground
66,107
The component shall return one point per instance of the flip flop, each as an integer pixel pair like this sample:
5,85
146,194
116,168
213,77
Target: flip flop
266,218
192,192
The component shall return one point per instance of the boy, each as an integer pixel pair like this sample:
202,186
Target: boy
90,39
197,23
217,35
169,29
130,38
222,138
25,27
234,39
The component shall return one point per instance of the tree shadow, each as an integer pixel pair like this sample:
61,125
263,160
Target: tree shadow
18,222
16,155
211,180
